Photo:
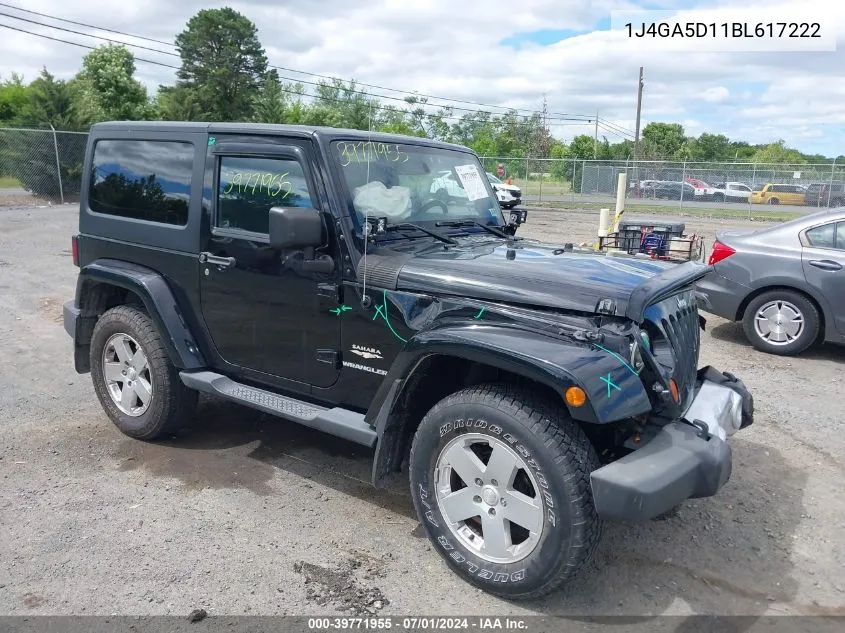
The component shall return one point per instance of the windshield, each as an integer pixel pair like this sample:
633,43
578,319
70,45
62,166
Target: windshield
412,183
492,178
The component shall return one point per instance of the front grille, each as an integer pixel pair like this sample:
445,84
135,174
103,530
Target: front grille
677,320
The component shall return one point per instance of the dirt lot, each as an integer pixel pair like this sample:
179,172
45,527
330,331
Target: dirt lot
247,514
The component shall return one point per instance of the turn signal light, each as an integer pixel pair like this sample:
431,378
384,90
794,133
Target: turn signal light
673,389
575,397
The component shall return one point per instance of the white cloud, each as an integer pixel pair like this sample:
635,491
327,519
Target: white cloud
443,48
717,94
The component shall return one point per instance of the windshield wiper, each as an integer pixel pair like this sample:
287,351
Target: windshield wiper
409,225
458,223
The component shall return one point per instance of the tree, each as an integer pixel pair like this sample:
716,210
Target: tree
223,64
778,153
106,89
663,140
711,147
50,102
14,96
277,102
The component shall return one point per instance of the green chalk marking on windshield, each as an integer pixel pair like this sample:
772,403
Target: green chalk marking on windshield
340,309
211,140
480,312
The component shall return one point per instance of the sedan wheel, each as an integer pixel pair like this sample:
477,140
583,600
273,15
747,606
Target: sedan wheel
781,322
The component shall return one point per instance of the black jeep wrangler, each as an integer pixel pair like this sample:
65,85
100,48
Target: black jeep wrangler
534,390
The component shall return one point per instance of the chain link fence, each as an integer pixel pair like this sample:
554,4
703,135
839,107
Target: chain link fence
43,163
576,181
48,164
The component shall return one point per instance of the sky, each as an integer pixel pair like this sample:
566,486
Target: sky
508,54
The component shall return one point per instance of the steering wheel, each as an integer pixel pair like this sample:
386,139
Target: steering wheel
434,202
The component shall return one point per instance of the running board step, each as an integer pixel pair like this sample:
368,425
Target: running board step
336,421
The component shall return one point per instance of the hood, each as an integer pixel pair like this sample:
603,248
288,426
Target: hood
532,273
506,187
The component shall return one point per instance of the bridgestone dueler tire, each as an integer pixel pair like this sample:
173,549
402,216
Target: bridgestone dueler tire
561,459
171,401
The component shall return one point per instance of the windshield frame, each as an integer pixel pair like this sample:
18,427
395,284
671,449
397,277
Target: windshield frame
467,156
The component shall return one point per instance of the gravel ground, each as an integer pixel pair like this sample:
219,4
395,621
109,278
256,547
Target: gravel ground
246,514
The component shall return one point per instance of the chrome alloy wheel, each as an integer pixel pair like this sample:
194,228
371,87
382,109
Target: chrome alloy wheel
127,375
779,322
489,498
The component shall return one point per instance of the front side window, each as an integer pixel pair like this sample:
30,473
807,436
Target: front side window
413,183
142,180
248,187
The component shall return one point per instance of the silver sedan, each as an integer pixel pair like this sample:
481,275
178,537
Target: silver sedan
786,283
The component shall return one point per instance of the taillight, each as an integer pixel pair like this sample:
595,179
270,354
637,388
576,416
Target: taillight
720,252
74,250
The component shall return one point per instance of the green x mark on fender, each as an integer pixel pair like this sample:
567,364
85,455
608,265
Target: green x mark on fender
610,384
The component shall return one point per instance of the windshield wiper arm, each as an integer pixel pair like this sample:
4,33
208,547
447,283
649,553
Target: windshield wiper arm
486,227
409,225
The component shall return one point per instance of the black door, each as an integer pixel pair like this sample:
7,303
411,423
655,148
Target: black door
264,313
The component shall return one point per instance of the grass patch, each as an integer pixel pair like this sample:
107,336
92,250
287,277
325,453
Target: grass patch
549,187
7,182
763,215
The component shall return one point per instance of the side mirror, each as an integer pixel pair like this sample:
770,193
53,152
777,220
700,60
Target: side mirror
295,227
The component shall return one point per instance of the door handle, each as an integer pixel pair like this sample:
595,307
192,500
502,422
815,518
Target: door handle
221,262
825,264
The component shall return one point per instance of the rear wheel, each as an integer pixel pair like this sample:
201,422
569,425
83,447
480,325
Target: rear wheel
500,480
718,197
137,385
781,322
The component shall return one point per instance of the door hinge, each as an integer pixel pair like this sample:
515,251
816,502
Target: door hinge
328,356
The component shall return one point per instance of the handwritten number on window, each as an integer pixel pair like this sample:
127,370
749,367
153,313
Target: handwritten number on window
367,151
274,185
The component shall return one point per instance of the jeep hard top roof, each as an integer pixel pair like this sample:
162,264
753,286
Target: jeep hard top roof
324,134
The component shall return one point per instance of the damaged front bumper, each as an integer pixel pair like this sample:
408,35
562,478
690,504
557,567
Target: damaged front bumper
687,458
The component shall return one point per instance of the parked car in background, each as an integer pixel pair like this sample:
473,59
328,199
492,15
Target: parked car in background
825,195
701,189
786,284
674,191
508,195
731,192
779,194
446,188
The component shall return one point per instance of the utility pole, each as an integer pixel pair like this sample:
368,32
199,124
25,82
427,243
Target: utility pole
637,131
639,111
596,138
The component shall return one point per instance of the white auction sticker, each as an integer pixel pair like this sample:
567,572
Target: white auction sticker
471,180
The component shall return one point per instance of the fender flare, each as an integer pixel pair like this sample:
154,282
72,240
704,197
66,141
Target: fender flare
158,299
554,362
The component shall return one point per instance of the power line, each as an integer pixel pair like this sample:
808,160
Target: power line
614,126
556,116
91,48
90,26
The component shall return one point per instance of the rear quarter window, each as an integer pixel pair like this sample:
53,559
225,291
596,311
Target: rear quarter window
823,236
142,180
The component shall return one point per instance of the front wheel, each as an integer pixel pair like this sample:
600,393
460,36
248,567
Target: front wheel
774,201
719,197
500,478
